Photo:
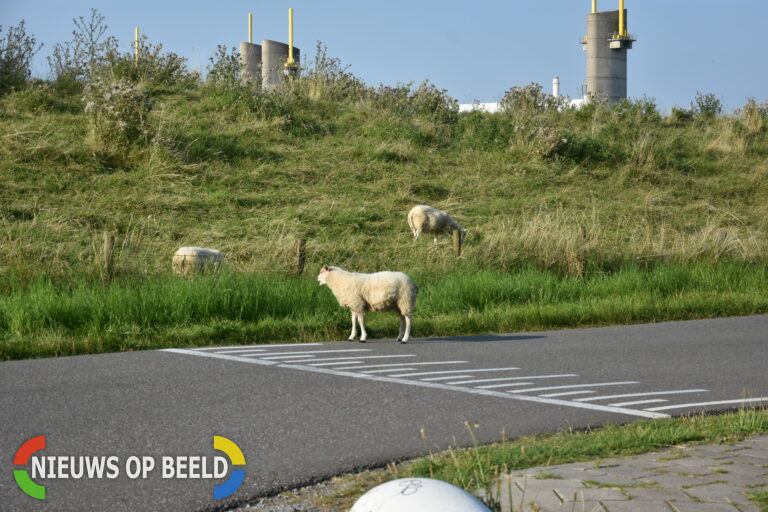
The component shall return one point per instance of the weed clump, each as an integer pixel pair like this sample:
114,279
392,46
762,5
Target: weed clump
118,116
16,51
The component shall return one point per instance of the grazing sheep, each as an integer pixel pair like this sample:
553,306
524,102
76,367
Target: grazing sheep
425,219
381,291
196,259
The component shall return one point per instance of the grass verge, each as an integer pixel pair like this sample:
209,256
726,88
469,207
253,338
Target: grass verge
86,316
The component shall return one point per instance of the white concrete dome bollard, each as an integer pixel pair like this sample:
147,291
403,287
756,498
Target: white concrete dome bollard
418,495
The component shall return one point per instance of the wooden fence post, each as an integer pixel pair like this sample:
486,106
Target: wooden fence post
457,241
108,253
301,255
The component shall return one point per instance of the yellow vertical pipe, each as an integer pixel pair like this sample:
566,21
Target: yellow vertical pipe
250,27
594,6
622,23
136,47
290,35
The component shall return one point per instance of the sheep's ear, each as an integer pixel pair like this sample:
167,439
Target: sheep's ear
326,269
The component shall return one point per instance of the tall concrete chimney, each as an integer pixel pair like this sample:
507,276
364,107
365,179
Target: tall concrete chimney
606,44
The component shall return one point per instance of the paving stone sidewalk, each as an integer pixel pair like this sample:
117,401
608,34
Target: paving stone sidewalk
704,478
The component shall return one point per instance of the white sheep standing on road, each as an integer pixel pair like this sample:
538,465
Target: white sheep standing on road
196,259
380,291
425,219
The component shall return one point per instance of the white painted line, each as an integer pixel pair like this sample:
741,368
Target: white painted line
242,350
638,402
453,371
513,378
445,378
253,347
507,385
387,370
315,352
277,358
294,352
333,364
228,357
567,393
595,385
398,364
434,385
721,402
349,359
628,395
281,345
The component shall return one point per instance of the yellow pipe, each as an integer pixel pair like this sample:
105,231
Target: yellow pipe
250,27
136,49
594,6
622,22
290,36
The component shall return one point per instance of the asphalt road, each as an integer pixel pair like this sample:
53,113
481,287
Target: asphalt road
301,413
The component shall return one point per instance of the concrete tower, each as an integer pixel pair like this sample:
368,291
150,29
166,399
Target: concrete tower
274,56
606,44
250,61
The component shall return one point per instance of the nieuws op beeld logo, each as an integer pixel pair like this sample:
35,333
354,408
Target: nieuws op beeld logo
134,467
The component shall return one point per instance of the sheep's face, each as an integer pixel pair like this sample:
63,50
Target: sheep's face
321,277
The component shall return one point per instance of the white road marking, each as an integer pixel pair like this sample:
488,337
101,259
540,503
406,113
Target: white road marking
453,371
348,359
567,393
242,350
398,364
638,402
271,354
387,370
278,358
445,378
721,402
507,385
228,357
628,395
512,378
333,364
281,345
594,385
433,385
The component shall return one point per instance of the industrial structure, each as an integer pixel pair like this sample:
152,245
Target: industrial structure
272,61
606,45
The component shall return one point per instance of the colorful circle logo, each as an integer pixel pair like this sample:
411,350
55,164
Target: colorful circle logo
236,478
22,477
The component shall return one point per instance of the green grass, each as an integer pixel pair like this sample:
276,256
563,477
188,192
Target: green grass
46,319
761,499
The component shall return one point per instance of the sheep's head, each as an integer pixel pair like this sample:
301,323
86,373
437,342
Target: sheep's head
321,277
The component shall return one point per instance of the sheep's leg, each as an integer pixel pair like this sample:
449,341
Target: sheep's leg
354,327
407,335
363,333
402,328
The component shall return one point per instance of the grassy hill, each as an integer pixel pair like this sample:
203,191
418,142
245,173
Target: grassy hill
574,217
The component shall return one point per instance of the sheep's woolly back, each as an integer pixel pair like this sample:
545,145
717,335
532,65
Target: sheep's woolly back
426,219
188,259
380,291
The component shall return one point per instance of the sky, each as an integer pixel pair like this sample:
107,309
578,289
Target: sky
476,50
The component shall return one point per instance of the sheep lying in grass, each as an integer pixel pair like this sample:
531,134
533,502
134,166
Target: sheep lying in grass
381,291
425,219
188,260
